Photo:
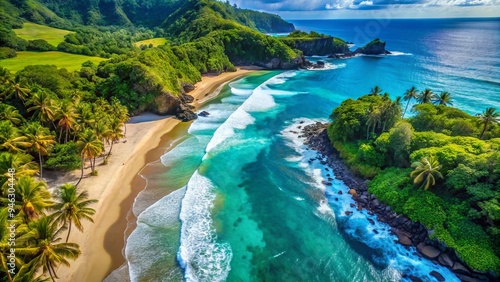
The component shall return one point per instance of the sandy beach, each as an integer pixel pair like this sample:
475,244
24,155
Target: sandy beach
118,183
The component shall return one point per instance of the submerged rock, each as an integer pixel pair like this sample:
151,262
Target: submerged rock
437,275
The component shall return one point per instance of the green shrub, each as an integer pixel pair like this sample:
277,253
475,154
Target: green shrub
40,45
426,207
368,155
64,157
473,246
391,187
349,152
6,52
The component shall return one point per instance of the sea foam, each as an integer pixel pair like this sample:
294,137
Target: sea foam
202,257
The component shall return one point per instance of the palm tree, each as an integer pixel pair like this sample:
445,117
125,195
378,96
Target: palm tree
39,139
67,118
101,129
444,98
10,138
72,207
115,133
85,115
42,242
426,171
121,112
89,146
16,89
43,106
20,162
4,243
32,198
10,113
411,93
490,116
425,97
374,119
375,91
391,113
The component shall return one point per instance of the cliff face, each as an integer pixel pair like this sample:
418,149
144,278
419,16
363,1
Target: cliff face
277,63
317,46
375,47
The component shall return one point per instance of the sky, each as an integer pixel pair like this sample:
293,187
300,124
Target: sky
332,9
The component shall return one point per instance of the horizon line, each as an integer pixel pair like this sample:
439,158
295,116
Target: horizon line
393,18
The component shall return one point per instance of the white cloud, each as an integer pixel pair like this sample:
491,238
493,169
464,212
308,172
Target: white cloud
325,9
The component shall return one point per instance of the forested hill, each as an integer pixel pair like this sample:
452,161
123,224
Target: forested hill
143,13
199,36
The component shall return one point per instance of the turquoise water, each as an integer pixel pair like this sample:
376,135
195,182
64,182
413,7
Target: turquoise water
252,208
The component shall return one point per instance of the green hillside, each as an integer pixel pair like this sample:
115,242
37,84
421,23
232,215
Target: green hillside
32,31
70,62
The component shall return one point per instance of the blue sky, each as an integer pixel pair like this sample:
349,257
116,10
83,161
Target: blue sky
326,9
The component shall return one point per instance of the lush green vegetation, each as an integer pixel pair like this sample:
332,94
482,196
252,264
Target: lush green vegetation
440,167
70,62
302,41
50,119
32,31
204,36
212,20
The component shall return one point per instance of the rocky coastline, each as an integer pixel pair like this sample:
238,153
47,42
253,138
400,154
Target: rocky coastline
409,233
375,47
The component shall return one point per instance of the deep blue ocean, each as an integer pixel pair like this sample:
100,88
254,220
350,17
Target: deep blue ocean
248,206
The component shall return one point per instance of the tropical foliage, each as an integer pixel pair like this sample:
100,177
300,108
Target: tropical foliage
440,167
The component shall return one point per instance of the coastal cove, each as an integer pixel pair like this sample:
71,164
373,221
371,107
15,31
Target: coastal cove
102,243
276,188
201,141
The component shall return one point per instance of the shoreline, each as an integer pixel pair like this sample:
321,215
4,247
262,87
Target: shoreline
408,232
102,242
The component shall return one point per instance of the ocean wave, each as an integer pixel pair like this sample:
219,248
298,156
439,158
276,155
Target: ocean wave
241,91
397,53
142,242
260,100
280,78
202,257
239,119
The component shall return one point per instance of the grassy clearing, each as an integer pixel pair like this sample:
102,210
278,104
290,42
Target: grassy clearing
32,31
155,41
71,62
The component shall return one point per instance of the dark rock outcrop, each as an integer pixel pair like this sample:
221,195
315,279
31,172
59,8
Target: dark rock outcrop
310,65
428,252
186,115
374,47
203,114
277,63
187,87
166,104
